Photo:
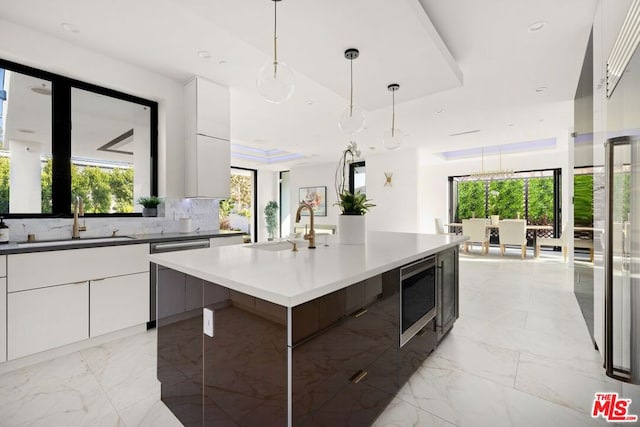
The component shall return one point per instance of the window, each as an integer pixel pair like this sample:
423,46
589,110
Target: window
533,195
238,212
63,138
357,177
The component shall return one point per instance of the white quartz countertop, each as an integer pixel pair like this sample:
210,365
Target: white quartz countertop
291,278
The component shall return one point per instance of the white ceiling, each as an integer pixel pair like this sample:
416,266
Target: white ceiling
476,62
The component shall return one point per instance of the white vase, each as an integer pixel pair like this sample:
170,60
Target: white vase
352,229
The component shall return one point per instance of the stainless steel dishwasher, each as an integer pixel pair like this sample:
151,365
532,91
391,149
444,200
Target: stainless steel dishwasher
160,247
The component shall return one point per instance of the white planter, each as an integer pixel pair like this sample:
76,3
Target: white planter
352,229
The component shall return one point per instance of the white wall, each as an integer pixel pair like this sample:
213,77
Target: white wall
397,206
267,190
28,47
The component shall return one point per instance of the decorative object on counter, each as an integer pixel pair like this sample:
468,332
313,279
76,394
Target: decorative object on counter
150,205
316,197
270,213
275,79
393,137
185,225
388,176
31,237
352,119
4,231
351,222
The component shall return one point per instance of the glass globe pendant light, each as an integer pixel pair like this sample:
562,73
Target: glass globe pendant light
275,79
392,138
352,118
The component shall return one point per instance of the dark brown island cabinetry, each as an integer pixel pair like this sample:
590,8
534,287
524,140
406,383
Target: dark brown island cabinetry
332,361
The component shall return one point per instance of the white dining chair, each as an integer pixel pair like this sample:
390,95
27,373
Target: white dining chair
439,226
477,231
513,232
561,241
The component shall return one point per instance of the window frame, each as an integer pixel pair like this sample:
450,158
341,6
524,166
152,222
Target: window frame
61,87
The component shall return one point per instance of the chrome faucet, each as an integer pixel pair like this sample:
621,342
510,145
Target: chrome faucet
311,236
78,210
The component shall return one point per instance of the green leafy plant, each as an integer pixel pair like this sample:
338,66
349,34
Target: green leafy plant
354,204
270,212
149,202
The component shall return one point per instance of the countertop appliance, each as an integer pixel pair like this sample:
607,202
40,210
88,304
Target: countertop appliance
157,248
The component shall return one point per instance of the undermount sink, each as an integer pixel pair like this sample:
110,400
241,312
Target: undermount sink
281,245
87,240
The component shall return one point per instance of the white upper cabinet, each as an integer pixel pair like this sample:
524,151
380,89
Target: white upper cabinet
207,134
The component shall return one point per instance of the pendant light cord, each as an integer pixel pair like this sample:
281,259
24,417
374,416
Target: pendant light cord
393,113
275,39
351,95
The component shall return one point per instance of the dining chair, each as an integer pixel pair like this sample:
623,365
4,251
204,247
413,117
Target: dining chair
561,241
513,232
476,230
439,226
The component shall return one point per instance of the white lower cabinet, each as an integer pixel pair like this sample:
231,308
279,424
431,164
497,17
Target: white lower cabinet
3,319
118,302
46,318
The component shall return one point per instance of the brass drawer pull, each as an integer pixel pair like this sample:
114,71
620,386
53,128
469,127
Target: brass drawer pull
360,313
359,376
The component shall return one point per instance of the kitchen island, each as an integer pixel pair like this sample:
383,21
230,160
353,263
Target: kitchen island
249,335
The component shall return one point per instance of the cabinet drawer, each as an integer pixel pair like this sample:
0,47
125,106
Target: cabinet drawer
118,303
41,269
225,241
42,319
3,266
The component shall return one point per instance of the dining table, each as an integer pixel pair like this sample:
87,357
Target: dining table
534,228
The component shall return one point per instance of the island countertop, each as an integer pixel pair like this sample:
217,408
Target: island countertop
291,278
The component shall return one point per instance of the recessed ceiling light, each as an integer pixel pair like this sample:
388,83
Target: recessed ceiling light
26,130
222,62
41,90
540,120
511,125
204,54
69,27
541,89
537,26
309,102
372,148
440,111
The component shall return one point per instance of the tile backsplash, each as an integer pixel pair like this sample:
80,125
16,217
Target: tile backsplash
203,214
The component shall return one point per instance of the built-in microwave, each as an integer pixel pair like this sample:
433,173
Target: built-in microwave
417,297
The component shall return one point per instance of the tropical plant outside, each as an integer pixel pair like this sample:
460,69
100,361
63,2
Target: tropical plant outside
583,200
103,190
506,198
239,202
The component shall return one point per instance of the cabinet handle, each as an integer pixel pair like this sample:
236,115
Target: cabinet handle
360,313
359,376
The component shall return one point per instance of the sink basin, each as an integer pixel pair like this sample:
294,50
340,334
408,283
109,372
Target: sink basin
278,246
88,240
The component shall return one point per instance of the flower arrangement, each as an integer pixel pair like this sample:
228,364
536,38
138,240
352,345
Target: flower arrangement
348,202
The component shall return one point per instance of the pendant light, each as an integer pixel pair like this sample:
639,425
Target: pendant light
393,137
275,79
352,118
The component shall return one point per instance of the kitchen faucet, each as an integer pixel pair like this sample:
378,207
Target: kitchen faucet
78,210
311,236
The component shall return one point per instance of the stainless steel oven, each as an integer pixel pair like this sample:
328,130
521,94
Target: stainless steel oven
417,297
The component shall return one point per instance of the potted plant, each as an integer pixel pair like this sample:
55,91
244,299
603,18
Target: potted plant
351,223
270,212
150,205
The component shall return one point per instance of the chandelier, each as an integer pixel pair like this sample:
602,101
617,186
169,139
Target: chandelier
491,174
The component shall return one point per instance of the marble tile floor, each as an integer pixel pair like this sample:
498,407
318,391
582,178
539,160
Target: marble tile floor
520,355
